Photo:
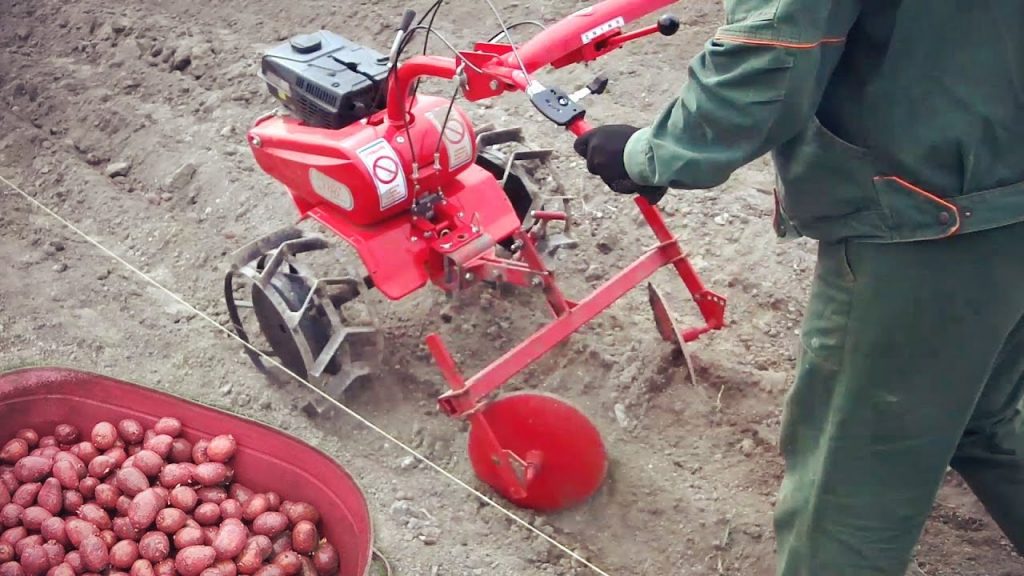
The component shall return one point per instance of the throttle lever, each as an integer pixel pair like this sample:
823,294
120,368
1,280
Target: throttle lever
596,87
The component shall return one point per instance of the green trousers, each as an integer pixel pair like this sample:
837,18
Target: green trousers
912,360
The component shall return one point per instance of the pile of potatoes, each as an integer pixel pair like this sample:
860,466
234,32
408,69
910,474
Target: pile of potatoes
127,500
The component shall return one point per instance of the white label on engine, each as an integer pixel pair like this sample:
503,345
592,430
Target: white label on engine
331,190
456,137
603,28
386,170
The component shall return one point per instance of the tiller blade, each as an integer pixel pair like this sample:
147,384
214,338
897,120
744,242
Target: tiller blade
667,328
537,451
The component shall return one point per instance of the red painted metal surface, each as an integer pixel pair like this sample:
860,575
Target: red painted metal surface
557,457
267,459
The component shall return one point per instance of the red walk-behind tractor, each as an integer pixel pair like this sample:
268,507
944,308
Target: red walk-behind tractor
423,197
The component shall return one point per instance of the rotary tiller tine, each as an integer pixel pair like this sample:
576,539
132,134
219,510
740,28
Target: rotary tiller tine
261,246
489,138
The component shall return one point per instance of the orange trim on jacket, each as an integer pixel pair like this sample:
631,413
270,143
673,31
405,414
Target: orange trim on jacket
796,45
929,196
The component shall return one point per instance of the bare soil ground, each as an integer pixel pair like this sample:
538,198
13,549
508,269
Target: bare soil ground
168,88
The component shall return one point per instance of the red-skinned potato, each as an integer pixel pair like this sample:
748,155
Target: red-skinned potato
241,493
175,474
84,451
256,505
149,462
54,553
14,450
130,430
270,524
124,554
29,435
109,538
289,562
250,559
230,508
207,514
221,448
131,481
78,530
7,478
184,498
142,567
307,566
10,515
304,537
282,543
26,494
209,534
6,552
118,455
95,555
192,560
270,570
164,568
123,504
181,450
226,567
34,561
103,435
325,559
81,469
11,568
101,466
144,508
188,536
106,496
14,535
274,500
214,494
32,468
231,539
199,455
211,473
161,444
124,530
170,520
5,495
95,515
64,472
168,425
66,434
154,546
88,486
74,559
26,542
73,500
53,530
33,517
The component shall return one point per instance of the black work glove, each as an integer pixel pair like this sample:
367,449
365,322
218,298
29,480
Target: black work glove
603,148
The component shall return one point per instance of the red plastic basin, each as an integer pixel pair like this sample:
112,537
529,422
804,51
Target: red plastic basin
267,459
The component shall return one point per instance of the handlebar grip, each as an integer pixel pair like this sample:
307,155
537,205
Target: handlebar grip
407,19
653,194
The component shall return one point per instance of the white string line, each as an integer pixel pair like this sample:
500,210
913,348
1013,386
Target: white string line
346,409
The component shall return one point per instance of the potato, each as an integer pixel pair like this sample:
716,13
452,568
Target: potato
134,449
109,538
14,535
161,444
64,472
299,511
207,514
221,448
199,455
95,554
34,561
130,430
5,495
211,473
26,494
215,494
27,541
123,504
192,560
11,569
270,570
78,530
274,500
188,536
325,559
226,567
241,493
230,508
304,537
74,559
165,568
154,546
30,436
53,530
131,481
211,571
106,496
256,505
6,552
181,450
14,450
148,462
88,486
307,567
124,530
282,543
117,454
54,553
103,435
101,466
142,567
144,508
170,520
32,468
7,478
231,539
10,515
93,514
168,425
250,559
184,498
73,500
270,524
175,474
33,517
289,562
85,451
124,554
66,434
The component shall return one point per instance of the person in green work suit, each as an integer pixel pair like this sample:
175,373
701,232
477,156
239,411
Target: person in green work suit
897,132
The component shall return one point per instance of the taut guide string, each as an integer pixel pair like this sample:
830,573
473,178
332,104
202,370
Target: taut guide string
344,408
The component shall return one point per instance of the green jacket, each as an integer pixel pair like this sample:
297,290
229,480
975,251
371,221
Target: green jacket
888,120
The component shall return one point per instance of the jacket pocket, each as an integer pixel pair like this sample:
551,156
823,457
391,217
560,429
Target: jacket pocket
827,185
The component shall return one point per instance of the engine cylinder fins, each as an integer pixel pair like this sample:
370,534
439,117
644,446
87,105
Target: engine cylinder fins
279,307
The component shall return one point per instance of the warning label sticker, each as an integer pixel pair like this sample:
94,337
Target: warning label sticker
456,137
386,170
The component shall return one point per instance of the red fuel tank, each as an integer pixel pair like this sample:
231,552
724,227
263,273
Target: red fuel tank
366,169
